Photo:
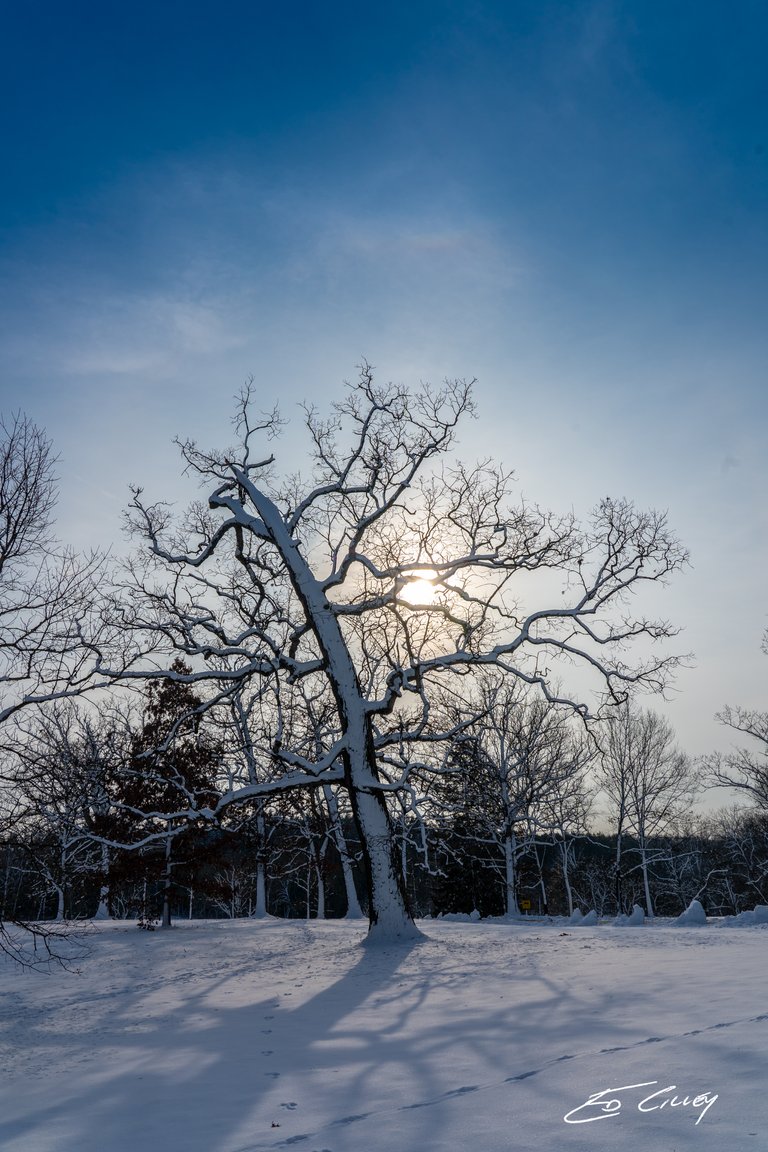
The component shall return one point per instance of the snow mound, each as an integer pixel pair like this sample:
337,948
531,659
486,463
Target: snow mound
589,920
636,916
461,917
757,915
576,916
693,915
635,919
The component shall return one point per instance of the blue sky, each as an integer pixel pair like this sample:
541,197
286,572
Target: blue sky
567,201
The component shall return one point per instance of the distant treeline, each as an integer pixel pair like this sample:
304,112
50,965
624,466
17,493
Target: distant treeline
292,867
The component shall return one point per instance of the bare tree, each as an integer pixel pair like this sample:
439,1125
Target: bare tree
647,780
247,761
373,580
745,769
64,757
27,491
567,803
690,865
738,858
47,593
526,745
52,789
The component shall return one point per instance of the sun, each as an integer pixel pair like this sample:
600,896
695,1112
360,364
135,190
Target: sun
420,591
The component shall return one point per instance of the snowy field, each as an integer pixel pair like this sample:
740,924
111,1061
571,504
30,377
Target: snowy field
242,1036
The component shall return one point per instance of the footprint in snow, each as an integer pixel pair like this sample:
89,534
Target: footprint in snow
290,1105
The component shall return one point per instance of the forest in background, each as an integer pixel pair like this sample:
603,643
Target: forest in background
350,691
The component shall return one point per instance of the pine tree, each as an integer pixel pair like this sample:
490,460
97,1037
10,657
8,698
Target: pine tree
171,774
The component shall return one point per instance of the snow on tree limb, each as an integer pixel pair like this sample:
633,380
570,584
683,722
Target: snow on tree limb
295,587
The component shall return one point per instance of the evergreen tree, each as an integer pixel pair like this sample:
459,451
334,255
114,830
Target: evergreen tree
171,776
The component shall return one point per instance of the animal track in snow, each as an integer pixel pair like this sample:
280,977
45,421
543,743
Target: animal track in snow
453,1093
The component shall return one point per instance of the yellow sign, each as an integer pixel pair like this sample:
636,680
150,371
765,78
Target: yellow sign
525,905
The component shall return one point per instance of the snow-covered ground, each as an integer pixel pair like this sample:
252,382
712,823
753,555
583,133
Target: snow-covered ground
242,1036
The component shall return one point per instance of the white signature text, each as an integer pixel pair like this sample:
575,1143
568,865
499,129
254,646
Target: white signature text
607,1102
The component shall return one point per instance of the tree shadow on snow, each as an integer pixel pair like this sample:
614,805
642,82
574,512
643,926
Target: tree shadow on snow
339,1037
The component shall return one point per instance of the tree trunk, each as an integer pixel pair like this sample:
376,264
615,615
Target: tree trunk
566,875
260,911
354,911
103,912
542,885
61,889
619,895
166,917
510,842
6,881
510,875
320,892
646,884
388,912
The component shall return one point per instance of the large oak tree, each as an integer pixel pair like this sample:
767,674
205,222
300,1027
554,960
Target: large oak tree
384,569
